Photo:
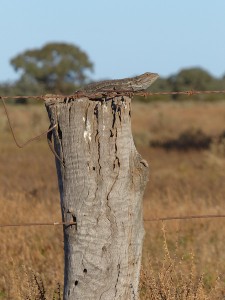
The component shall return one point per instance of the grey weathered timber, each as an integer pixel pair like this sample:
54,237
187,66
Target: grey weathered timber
101,180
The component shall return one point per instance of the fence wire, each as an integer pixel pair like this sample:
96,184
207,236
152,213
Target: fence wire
106,93
172,218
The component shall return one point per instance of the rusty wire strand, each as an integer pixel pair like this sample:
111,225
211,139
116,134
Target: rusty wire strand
188,93
13,134
184,218
91,95
79,94
38,224
172,218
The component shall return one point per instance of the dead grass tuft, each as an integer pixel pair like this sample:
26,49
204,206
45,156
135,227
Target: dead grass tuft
176,278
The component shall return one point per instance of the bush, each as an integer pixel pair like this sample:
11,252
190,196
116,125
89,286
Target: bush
190,139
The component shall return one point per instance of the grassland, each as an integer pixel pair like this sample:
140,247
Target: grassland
183,258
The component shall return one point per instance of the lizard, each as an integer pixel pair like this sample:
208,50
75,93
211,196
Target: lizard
131,84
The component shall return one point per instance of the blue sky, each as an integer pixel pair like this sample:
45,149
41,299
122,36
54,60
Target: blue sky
122,37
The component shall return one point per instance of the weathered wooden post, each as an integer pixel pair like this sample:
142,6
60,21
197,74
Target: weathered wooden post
101,181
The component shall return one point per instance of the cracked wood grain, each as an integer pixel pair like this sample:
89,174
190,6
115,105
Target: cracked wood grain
101,186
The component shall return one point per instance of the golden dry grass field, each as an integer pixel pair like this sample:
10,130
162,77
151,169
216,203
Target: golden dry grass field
181,259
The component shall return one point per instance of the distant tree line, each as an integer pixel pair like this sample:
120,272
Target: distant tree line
64,68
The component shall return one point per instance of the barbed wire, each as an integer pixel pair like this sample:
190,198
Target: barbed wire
188,93
184,217
172,218
38,224
110,93
103,93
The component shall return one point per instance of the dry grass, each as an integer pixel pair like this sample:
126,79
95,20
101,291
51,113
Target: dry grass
180,183
176,278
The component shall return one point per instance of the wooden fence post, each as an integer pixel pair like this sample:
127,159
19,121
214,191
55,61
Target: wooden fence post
101,183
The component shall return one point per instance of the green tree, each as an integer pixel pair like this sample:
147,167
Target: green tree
57,67
192,79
